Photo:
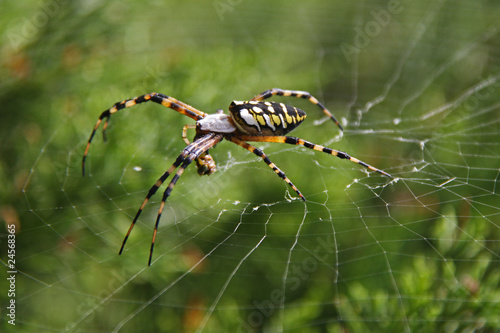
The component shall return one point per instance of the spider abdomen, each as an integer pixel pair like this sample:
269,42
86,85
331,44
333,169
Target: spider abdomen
265,118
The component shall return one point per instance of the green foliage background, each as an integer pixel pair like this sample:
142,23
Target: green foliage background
407,256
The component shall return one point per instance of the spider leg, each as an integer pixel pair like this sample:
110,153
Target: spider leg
164,100
195,149
187,155
151,192
299,94
266,159
166,194
184,132
310,145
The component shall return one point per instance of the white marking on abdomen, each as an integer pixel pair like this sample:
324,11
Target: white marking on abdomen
248,118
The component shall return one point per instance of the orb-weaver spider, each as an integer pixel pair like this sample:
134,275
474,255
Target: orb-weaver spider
252,120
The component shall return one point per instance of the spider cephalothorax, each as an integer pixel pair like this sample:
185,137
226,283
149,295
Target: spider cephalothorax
255,120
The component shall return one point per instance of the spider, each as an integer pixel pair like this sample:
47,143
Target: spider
254,120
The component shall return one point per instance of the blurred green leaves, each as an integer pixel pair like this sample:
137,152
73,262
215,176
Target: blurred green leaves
417,101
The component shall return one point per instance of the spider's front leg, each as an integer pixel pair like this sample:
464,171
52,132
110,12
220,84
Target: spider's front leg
205,162
164,100
190,153
300,142
261,154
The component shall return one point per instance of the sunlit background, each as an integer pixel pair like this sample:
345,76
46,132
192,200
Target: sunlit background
415,85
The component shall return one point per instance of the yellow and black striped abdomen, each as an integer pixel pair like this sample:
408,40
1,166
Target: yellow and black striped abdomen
265,118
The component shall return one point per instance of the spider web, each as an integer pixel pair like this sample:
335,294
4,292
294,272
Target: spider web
415,86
